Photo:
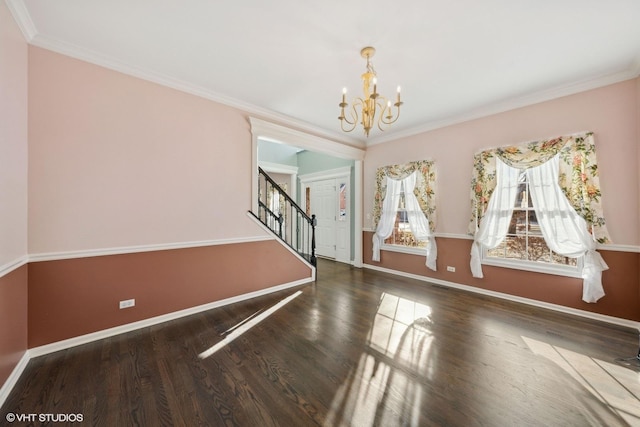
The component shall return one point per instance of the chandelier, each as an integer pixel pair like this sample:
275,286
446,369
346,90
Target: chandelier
374,108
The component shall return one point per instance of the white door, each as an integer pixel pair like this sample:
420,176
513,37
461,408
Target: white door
323,203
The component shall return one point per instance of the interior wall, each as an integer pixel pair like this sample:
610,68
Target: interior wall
73,297
13,194
611,112
13,320
620,282
13,140
277,153
116,161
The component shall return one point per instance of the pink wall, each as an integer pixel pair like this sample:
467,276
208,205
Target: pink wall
610,112
13,194
118,161
13,140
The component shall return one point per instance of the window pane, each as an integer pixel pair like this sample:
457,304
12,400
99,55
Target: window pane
534,227
498,251
524,240
402,234
559,259
521,198
538,250
342,201
518,223
515,247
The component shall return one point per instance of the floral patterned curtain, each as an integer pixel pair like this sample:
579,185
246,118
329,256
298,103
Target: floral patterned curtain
424,189
578,176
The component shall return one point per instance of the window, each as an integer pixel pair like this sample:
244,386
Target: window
561,174
404,210
401,234
524,245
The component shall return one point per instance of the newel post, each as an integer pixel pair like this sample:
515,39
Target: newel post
314,221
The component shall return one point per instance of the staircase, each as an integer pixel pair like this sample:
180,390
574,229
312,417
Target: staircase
278,212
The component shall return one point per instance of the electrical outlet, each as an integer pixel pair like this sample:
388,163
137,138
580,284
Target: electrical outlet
127,303
451,269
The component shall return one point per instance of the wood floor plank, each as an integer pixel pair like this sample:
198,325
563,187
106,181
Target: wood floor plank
355,348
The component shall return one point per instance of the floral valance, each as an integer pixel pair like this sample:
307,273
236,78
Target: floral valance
424,189
578,176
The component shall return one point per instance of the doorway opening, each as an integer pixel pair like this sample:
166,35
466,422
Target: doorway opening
348,234
328,196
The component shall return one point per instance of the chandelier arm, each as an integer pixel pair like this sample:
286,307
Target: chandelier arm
353,115
388,117
348,129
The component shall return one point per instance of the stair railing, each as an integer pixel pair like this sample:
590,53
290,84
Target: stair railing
282,215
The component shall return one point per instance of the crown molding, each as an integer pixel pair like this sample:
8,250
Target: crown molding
27,27
514,103
22,17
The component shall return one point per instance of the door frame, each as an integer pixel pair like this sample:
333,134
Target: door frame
261,129
344,172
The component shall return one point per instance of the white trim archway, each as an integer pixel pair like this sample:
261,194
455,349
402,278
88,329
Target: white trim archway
261,129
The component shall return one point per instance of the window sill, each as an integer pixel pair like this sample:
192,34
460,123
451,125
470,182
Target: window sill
557,270
404,249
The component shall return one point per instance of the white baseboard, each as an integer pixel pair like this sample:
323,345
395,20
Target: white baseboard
105,333
568,310
14,377
94,336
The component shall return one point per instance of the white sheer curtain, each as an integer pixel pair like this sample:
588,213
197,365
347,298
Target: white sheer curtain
418,222
495,223
565,232
387,216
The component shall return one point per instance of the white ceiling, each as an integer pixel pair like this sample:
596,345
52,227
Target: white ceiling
288,60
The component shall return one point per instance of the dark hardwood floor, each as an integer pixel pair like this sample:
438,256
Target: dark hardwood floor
356,348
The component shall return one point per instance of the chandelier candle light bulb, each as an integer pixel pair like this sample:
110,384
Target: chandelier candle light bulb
372,105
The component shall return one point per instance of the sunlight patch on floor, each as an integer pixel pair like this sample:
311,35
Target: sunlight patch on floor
615,386
245,325
376,393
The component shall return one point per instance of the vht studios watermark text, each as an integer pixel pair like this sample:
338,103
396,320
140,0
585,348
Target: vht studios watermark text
44,418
